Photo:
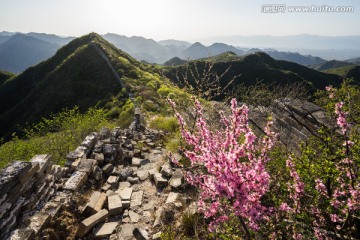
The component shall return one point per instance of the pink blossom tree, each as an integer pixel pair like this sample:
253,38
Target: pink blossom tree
228,167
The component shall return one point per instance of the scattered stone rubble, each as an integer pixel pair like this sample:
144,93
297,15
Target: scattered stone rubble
126,175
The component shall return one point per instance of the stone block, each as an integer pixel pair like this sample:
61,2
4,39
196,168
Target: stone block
89,141
52,208
125,194
126,232
176,179
24,178
82,151
109,150
133,180
97,173
22,234
123,185
115,205
86,165
106,229
90,222
106,187
98,147
113,181
136,199
76,180
99,157
166,170
90,206
74,165
125,173
142,175
11,175
104,133
136,161
73,155
134,217
141,234
172,197
39,221
159,180
107,169
100,203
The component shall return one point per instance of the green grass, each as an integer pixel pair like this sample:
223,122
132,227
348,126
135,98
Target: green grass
56,135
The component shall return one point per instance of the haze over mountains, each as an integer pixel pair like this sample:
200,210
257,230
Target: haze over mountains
78,75
20,51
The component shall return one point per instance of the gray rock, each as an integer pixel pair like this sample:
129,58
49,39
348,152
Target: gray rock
133,180
22,234
106,229
135,161
126,232
141,234
136,199
86,225
109,150
99,157
176,179
143,175
110,193
113,181
125,173
172,197
158,214
39,221
166,170
114,204
126,193
97,173
90,206
157,236
159,180
134,217
10,176
104,133
108,168
76,180
86,165
89,141
123,185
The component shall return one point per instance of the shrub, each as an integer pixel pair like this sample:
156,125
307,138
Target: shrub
167,124
56,135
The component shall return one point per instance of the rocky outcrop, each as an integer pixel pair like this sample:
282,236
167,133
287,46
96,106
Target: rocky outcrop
294,120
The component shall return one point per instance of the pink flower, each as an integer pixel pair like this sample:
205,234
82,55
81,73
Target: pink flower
224,168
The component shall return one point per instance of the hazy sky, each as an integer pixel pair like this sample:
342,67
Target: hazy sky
178,19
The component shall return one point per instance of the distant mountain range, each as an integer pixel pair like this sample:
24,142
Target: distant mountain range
331,64
250,68
20,51
78,75
329,47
